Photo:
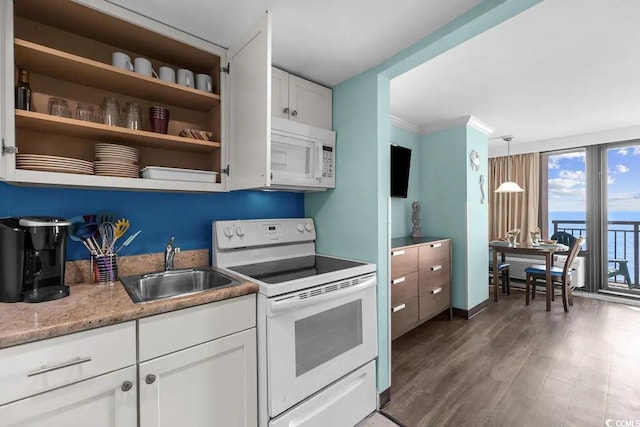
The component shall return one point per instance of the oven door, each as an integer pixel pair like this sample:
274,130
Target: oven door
316,336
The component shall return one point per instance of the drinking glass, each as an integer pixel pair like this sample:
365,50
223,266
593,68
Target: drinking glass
132,116
59,107
110,111
84,112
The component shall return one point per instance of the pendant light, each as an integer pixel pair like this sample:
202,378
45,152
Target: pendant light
508,186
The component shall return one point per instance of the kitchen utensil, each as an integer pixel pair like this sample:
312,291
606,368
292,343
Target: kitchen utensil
132,116
105,216
143,66
59,107
86,231
121,60
75,222
128,241
204,82
185,77
108,235
110,111
84,112
122,225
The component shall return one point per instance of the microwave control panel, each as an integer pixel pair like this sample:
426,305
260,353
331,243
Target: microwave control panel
327,161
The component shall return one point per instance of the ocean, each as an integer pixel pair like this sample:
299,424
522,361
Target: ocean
621,238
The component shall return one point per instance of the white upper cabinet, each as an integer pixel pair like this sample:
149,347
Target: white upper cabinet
249,108
300,100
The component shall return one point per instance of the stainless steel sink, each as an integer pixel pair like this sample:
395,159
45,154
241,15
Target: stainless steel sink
175,283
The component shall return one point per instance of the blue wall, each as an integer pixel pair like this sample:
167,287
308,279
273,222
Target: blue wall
401,208
159,215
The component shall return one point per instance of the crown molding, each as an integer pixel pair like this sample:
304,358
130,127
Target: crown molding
471,121
403,124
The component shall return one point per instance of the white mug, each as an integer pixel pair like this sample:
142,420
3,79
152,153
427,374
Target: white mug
121,60
167,74
204,82
185,77
143,66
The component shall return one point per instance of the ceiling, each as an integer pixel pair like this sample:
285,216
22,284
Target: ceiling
563,67
325,41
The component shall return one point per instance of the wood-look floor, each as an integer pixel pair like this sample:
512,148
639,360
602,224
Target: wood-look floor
514,365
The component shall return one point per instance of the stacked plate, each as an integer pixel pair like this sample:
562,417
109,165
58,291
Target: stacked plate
116,160
40,162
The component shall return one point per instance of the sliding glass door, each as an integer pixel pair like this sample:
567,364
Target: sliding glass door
622,194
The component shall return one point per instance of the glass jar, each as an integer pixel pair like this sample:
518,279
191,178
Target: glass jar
132,116
59,107
84,112
110,111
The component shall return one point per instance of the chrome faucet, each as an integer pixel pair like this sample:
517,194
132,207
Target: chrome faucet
169,254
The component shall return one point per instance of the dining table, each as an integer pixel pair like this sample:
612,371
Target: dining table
545,250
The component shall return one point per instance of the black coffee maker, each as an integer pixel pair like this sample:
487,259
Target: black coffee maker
33,252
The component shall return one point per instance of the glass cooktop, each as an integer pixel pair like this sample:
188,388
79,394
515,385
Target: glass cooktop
294,268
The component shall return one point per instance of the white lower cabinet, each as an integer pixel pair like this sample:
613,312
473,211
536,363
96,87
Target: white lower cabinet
109,400
211,384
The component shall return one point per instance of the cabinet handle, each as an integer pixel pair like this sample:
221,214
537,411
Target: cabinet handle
436,268
45,369
286,110
127,385
396,253
398,280
436,245
436,291
150,379
294,113
398,308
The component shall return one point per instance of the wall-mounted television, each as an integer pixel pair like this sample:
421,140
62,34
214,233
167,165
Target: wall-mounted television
400,164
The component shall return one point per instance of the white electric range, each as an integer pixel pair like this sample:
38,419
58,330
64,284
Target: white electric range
317,322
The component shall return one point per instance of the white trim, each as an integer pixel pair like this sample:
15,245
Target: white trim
403,124
471,121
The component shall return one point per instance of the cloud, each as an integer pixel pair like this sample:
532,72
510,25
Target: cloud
610,180
554,160
567,186
623,151
568,174
622,169
623,196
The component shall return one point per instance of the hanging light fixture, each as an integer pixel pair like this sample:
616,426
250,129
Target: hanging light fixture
508,186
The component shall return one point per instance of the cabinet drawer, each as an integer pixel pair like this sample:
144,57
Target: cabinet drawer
44,365
194,325
403,317
404,288
403,261
434,301
434,277
433,254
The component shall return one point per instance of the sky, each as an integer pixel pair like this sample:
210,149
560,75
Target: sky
567,191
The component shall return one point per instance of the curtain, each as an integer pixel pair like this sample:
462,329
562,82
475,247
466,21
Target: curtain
514,210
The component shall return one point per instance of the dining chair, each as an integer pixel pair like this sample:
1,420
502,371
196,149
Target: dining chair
561,276
503,271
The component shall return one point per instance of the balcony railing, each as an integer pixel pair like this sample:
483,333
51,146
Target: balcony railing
623,240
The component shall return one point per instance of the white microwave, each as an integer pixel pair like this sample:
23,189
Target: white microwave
303,157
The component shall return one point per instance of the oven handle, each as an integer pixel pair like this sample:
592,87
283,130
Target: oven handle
291,304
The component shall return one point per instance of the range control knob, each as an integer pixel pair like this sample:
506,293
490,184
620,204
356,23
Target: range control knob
308,227
301,227
228,232
240,231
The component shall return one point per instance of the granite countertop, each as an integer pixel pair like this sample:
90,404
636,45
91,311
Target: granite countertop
400,242
91,306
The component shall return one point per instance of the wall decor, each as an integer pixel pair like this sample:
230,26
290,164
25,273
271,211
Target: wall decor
482,189
474,157
416,229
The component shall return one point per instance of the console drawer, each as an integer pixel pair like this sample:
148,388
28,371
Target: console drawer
435,301
403,261
404,288
433,254
433,277
404,317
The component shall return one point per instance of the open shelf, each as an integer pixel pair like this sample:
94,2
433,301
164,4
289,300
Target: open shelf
96,131
96,181
76,69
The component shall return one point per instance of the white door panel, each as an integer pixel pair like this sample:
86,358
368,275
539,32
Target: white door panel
309,103
279,93
250,108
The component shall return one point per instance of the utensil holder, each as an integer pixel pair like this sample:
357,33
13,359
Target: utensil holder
104,269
